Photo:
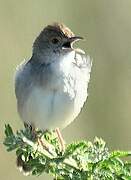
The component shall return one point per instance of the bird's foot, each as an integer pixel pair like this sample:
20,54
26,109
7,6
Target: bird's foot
61,140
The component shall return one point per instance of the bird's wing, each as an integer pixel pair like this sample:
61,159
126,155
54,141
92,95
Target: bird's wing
22,80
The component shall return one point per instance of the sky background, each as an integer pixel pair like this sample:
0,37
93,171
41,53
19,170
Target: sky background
106,26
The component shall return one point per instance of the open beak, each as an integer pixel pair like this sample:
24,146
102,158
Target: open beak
75,38
69,42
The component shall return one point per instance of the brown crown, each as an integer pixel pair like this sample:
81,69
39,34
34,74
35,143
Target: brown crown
61,28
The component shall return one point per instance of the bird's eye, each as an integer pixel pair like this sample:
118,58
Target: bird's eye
55,40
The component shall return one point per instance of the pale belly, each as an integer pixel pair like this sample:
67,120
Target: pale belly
58,101
49,109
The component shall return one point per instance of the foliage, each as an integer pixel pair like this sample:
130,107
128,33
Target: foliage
80,160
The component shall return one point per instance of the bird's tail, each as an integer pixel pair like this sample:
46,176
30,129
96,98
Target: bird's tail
23,166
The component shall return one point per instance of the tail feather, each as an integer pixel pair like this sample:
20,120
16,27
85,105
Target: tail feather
23,166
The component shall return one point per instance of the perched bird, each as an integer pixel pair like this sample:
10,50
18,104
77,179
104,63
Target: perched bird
51,87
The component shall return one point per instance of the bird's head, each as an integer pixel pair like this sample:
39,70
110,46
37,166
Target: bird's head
55,40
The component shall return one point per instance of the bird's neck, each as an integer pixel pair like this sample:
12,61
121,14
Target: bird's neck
38,58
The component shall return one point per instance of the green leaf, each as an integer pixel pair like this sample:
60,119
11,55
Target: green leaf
8,130
82,160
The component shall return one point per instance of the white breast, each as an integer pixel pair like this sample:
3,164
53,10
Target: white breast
58,104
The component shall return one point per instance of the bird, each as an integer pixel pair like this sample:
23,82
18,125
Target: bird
51,87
